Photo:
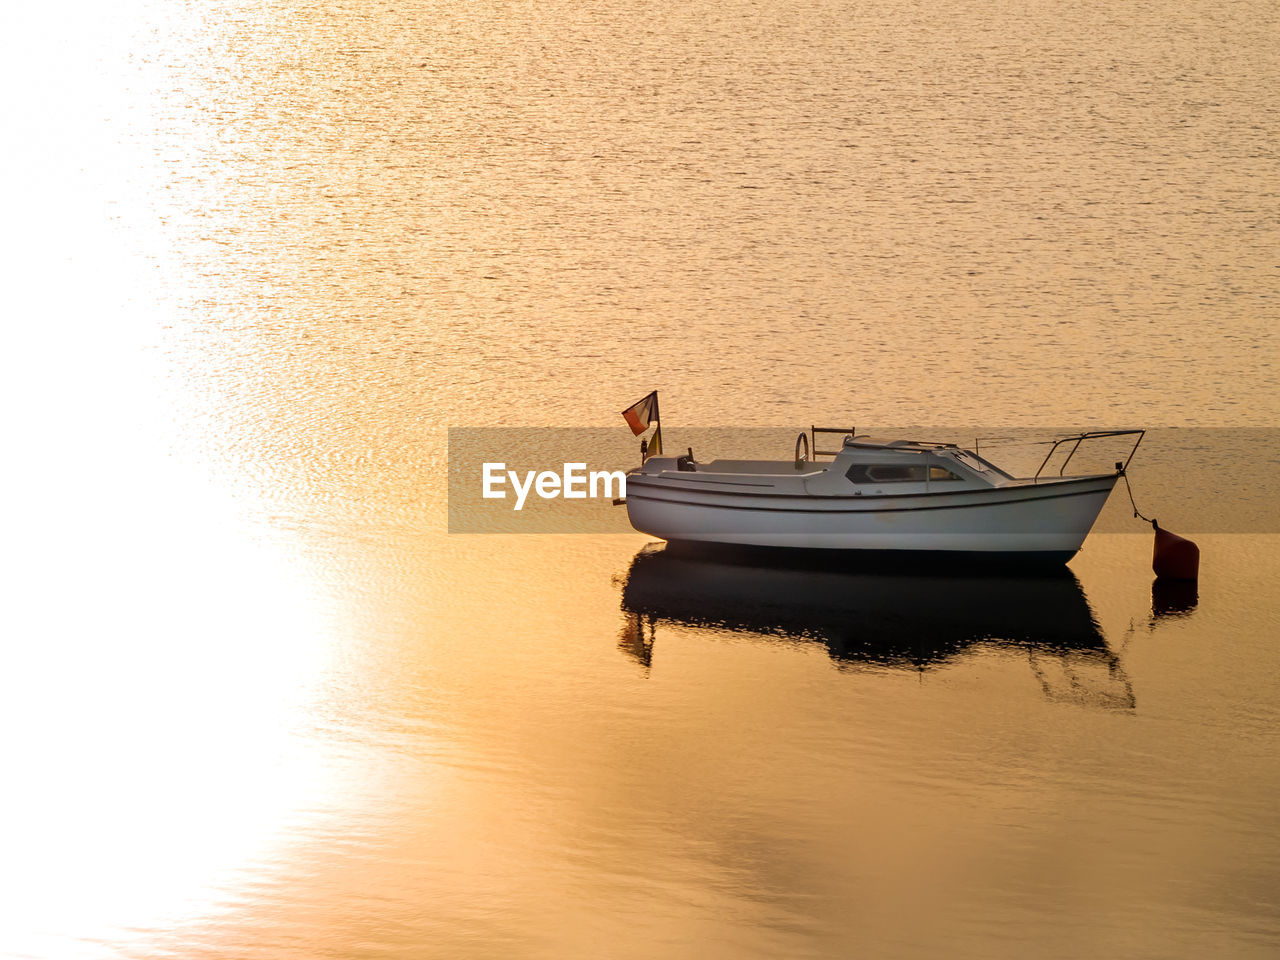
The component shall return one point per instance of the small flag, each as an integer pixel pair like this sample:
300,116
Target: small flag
655,444
640,415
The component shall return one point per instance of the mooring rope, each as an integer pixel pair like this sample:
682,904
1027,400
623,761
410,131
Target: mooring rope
1138,514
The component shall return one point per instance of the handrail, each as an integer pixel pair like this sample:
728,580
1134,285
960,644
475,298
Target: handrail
837,430
801,461
1090,435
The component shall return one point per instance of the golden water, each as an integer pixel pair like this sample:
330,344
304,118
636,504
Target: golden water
257,703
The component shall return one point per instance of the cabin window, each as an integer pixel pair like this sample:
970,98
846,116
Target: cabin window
887,473
897,473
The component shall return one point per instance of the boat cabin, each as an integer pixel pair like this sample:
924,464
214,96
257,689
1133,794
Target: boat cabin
862,466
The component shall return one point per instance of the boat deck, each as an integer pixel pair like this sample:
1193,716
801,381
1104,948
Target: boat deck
769,468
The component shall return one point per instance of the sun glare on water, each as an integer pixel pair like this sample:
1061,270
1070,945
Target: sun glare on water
155,731
160,651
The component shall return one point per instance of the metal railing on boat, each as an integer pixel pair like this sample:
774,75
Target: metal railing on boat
1090,435
839,431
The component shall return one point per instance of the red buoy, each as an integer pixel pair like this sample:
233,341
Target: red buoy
1174,557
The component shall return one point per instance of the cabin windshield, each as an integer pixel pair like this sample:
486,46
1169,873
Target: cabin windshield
979,464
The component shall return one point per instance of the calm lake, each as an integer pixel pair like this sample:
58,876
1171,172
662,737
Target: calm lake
258,702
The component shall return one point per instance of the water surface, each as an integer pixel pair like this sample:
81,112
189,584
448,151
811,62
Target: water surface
258,703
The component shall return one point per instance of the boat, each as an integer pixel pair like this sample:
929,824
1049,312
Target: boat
904,500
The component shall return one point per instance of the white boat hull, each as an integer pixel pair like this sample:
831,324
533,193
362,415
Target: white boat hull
1052,517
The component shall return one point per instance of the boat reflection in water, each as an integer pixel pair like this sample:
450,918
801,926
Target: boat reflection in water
884,620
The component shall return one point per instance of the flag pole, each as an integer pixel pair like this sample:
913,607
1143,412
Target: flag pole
657,419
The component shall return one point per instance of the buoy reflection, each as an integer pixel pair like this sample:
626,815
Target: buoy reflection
1173,598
